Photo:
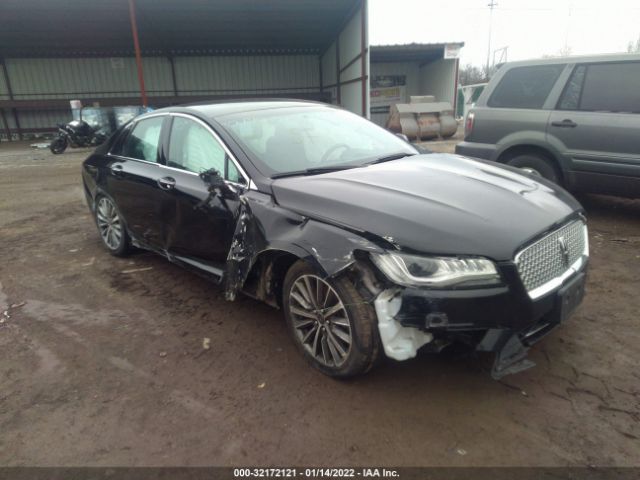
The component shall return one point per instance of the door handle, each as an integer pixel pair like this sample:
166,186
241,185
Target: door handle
117,169
166,183
566,123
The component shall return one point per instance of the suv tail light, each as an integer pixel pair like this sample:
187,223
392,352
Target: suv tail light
468,124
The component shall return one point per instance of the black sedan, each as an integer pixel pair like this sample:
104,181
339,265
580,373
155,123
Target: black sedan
367,245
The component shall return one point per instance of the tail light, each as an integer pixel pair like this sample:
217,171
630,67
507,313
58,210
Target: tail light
468,124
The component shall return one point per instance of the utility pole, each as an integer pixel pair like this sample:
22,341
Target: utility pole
492,4
566,50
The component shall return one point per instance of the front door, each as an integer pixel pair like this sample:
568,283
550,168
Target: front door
131,180
597,121
199,223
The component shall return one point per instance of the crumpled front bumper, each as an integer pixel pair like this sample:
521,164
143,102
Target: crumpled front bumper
502,320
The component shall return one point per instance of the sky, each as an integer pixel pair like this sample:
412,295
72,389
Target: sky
530,29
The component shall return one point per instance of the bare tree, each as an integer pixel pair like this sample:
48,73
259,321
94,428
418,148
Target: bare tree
562,52
471,74
634,47
565,51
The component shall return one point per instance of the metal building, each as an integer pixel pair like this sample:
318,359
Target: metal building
400,71
53,51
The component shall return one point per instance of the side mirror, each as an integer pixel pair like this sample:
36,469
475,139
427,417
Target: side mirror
215,183
403,137
212,179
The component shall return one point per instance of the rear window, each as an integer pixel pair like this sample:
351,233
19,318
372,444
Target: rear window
612,87
143,140
525,87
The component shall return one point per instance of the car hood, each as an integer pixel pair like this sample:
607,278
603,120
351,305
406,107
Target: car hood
437,204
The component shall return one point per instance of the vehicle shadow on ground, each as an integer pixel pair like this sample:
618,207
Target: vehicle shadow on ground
613,208
196,298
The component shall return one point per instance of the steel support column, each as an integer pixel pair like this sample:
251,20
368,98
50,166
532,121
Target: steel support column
7,130
5,73
136,45
455,87
174,82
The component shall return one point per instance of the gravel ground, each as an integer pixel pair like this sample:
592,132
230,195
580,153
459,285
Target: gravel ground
102,361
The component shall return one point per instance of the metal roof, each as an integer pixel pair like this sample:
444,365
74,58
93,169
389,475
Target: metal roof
81,27
409,52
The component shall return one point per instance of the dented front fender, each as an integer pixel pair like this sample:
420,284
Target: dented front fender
262,225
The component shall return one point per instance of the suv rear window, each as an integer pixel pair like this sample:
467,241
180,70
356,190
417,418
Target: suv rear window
612,87
525,87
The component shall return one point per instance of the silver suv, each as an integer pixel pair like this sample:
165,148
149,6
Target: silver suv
574,121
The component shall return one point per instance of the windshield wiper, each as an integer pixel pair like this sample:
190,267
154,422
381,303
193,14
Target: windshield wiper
394,156
314,171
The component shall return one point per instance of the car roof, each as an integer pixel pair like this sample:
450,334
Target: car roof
227,107
609,57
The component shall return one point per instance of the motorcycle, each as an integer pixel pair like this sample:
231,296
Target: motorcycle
76,133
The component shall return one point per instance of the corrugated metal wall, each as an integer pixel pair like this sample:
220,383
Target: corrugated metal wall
350,63
71,78
41,119
4,93
247,74
68,78
53,78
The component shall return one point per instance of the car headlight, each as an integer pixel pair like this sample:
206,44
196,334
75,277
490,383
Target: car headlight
436,272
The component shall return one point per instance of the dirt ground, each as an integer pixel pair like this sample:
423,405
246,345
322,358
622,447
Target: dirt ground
102,361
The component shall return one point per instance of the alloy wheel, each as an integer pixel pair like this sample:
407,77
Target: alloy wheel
109,223
320,320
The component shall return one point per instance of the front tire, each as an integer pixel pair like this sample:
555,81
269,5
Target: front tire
331,323
111,227
537,165
59,145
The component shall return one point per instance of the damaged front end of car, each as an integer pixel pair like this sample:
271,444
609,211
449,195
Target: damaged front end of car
418,300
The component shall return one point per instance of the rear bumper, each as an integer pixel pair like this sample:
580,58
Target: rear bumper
485,151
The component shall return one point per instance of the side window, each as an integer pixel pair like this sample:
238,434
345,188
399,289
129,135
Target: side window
611,87
142,142
193,148
570,99
525,87
233,174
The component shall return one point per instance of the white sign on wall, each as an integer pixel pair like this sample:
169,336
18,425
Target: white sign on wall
451,50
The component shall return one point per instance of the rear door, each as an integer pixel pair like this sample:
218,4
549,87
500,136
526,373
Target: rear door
597,125
516,109
199,224
131,179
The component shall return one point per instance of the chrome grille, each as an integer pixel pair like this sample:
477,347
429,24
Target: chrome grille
552,256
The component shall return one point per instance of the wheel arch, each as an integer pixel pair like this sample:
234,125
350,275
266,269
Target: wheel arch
522,149
265,279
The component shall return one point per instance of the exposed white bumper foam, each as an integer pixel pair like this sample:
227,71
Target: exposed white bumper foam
400,343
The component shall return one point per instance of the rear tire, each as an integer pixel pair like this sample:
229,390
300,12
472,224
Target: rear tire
537,165
111,227
59,145
330,322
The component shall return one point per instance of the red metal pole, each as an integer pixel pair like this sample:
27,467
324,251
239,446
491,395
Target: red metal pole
136,45
456,84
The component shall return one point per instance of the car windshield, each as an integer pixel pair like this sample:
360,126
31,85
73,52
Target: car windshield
299,139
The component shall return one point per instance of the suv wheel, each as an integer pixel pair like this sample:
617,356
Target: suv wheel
537,165
331,323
